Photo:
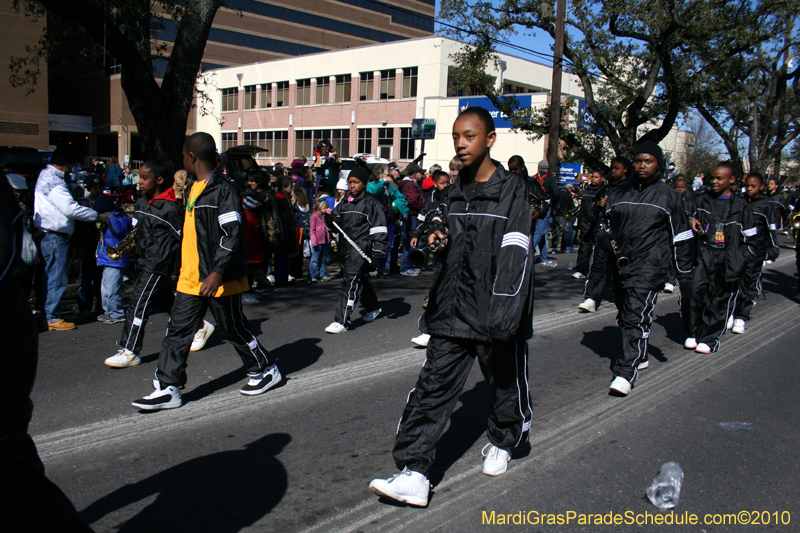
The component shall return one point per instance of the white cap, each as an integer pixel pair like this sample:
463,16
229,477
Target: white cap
17,182
341,185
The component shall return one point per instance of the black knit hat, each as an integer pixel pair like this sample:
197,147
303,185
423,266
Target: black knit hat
63,157
651,148
359,174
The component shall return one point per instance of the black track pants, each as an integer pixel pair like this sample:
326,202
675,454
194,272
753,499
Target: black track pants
636,316
750,289
354,286
439,386
587,245
596,276
714,299
186,314
685,302
150,290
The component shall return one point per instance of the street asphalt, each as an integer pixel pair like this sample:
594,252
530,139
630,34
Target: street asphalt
300,457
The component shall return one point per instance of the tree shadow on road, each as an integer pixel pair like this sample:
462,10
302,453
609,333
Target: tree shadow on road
467,425
219,493
295,356
398,307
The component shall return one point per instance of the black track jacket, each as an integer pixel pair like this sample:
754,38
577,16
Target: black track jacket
363,220
651,229
765,219
587,216
158,233
484,289
738,229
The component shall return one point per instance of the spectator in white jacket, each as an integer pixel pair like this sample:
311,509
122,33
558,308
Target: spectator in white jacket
54,214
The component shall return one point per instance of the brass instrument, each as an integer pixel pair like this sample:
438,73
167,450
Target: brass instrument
794,221
125,246
569,214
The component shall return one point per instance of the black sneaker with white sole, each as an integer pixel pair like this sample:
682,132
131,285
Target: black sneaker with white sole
162,398
261,383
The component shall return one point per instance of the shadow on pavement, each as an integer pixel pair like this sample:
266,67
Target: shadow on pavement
296,356
606,343
219,493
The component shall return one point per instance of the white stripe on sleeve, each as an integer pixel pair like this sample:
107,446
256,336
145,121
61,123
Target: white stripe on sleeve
377,229
683,236
750,232
231,216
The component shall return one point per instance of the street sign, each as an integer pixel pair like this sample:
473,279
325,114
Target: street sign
423,128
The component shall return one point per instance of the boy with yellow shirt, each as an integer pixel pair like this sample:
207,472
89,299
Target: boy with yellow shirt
213,275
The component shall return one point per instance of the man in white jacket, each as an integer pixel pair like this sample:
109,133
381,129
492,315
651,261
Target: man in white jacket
54,215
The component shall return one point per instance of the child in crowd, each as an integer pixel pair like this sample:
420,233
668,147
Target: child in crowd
360,219
383,188
481,307
724,226
213,275
118,225
320,244
455,167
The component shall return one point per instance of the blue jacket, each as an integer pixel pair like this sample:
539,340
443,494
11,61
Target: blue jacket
113,175
121,225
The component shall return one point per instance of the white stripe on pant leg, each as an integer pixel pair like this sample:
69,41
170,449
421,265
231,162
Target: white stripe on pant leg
136,309
235,324
408,399
645,335
729,310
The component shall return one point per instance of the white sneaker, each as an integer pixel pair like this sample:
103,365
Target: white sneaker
588,306
335,327
578,275
271,278
421,340
167,398
669,288
729,325
738,326
495,460
291,278
372,315
261,383
620,385
408,487
123,358
690,343
644,364
411,272
703,348
202,336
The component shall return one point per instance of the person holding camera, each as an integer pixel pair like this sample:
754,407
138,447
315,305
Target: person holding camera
363,243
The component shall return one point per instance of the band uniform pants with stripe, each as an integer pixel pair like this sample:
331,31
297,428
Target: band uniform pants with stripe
186,314
354,286
439,386
714,298
149,291
750,289
635,318
585,250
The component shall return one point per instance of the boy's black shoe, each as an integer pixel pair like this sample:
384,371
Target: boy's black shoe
166,398
260,383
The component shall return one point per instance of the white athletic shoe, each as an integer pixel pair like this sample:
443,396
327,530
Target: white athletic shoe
335,327
407,487
271,278
620,385
729,325
690,343
738,326
201,337
167,398
421,340
372,315
588,306
495,460
123,359
669,288
644,364
578,275
260,383
703,348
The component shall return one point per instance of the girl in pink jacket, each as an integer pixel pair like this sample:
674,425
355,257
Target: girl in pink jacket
320,244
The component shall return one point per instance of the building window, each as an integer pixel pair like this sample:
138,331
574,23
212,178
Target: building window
230,99
406,144
250,97
323,90
303,92
343,84
387,84
341,141
367,83
275,143
306,140
304,143
365,141
385,142
266,95
410,82
282,94
228,141
257,138
280,146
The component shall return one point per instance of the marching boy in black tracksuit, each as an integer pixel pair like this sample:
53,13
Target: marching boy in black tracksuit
158,219
587,222
213,274
651,229
765,216
480,307
724,224
360,217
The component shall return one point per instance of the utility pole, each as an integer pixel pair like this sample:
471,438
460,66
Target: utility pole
555,91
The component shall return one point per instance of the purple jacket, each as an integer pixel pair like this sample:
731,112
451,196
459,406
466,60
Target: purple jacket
413,195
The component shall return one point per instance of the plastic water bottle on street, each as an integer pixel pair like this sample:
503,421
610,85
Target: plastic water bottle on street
552,263
665,490
570,266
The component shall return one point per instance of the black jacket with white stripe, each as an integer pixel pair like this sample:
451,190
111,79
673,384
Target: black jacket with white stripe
739,227
158,224
484,288
651,229
362,219
766,219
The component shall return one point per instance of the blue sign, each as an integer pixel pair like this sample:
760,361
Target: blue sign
501,120
567,172
586,120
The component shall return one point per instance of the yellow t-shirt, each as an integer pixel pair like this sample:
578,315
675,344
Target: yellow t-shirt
189,281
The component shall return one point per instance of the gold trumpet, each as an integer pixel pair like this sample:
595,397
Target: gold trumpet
125,246
794,221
